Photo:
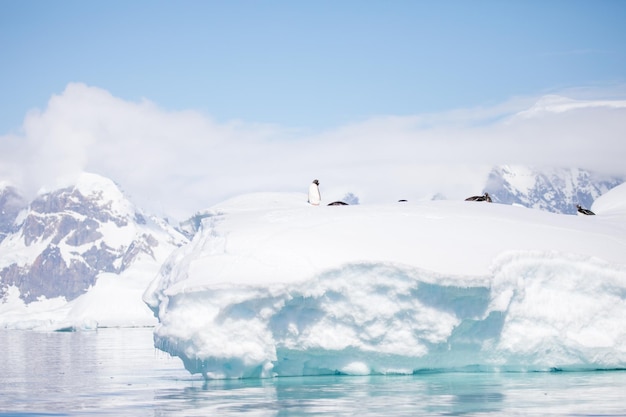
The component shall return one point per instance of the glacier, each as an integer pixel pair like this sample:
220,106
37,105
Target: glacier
271,286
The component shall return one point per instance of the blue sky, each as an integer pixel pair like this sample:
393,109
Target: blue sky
185,103
310,64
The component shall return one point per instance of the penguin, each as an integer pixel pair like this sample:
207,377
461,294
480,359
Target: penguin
337,203
584,211
484,197
314,193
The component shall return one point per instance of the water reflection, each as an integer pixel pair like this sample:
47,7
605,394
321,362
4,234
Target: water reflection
465,394
434,395
337,395
118,372
227,398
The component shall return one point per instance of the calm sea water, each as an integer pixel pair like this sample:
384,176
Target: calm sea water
117,372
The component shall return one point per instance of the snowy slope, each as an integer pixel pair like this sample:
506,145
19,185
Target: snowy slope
81,256
612,204
273,286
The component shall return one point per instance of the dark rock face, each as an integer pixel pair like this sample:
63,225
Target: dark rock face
51,277
71,234
83,233
554,190
72,201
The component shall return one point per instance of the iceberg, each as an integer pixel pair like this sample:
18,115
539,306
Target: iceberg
271,286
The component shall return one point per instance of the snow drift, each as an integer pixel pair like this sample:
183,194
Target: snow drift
271,286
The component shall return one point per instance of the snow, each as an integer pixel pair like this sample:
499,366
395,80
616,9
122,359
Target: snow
612,203
272,286
100,188
15,314
14,250
114,301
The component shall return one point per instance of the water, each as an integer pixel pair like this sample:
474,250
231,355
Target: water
117,372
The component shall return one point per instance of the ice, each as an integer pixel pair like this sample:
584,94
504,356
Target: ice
271,286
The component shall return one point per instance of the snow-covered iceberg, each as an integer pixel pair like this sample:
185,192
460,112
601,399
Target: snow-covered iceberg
272,286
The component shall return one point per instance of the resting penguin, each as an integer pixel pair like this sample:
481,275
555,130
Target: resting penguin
584,211
337,203
480,198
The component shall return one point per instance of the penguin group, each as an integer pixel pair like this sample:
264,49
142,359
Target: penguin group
315,199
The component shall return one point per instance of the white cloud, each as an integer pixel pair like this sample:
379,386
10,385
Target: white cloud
176,163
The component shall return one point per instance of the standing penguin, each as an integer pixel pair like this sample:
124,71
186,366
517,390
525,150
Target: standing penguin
314,193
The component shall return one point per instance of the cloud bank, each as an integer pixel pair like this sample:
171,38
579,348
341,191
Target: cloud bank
178,162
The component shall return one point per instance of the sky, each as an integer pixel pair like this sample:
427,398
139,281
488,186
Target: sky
186,103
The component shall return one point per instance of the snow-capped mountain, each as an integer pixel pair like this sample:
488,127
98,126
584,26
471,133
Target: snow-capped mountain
557,190
65,240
